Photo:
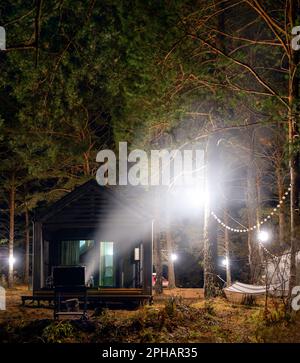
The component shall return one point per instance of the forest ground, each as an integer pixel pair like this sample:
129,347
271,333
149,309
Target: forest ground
169,319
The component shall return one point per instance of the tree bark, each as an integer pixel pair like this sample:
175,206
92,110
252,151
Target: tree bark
258,196
170,247
252,250
281,219
211,288
158,262
12,192
293,134
227,249
258,214
253,247
157,247
27,245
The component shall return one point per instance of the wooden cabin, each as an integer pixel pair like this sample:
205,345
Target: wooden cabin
104,229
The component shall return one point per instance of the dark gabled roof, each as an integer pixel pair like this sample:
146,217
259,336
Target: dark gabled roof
127,198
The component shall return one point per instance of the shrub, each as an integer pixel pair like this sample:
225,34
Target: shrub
57,332
209,308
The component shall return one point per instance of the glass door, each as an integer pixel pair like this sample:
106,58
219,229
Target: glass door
106,268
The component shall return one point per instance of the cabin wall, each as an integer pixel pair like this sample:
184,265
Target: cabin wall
96,213
127,274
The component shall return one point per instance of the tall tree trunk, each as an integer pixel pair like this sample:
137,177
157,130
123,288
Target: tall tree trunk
258,196
227,249
253,248
27,244
211,288
157,261
171,272
281,219
258,214
157,247
252,251
293,117
12,192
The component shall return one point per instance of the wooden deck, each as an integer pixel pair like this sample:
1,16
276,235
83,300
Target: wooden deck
97,296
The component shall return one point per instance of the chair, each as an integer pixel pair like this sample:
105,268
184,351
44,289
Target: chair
69,286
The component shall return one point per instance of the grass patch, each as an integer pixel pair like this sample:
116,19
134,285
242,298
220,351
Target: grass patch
175,320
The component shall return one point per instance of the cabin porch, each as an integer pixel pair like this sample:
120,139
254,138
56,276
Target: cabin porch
95,297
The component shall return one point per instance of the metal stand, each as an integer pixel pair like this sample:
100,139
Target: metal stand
70,292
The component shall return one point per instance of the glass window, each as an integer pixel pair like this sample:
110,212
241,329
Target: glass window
75,252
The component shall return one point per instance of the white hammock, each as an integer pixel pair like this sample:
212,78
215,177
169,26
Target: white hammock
241,288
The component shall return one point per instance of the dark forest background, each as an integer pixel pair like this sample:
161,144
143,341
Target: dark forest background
81,76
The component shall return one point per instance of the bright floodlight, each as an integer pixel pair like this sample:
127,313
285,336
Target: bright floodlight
195,197
263,236
225,262
174,257
11,261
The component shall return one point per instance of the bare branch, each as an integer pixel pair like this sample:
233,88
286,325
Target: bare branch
19,47
242,64
37,29
19,18
272,24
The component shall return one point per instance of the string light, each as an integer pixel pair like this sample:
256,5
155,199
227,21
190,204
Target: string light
264,220
244,230
267,251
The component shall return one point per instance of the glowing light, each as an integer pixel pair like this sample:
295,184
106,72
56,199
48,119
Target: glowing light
11,261
195,197
263,236
174,257
266,219
225,262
